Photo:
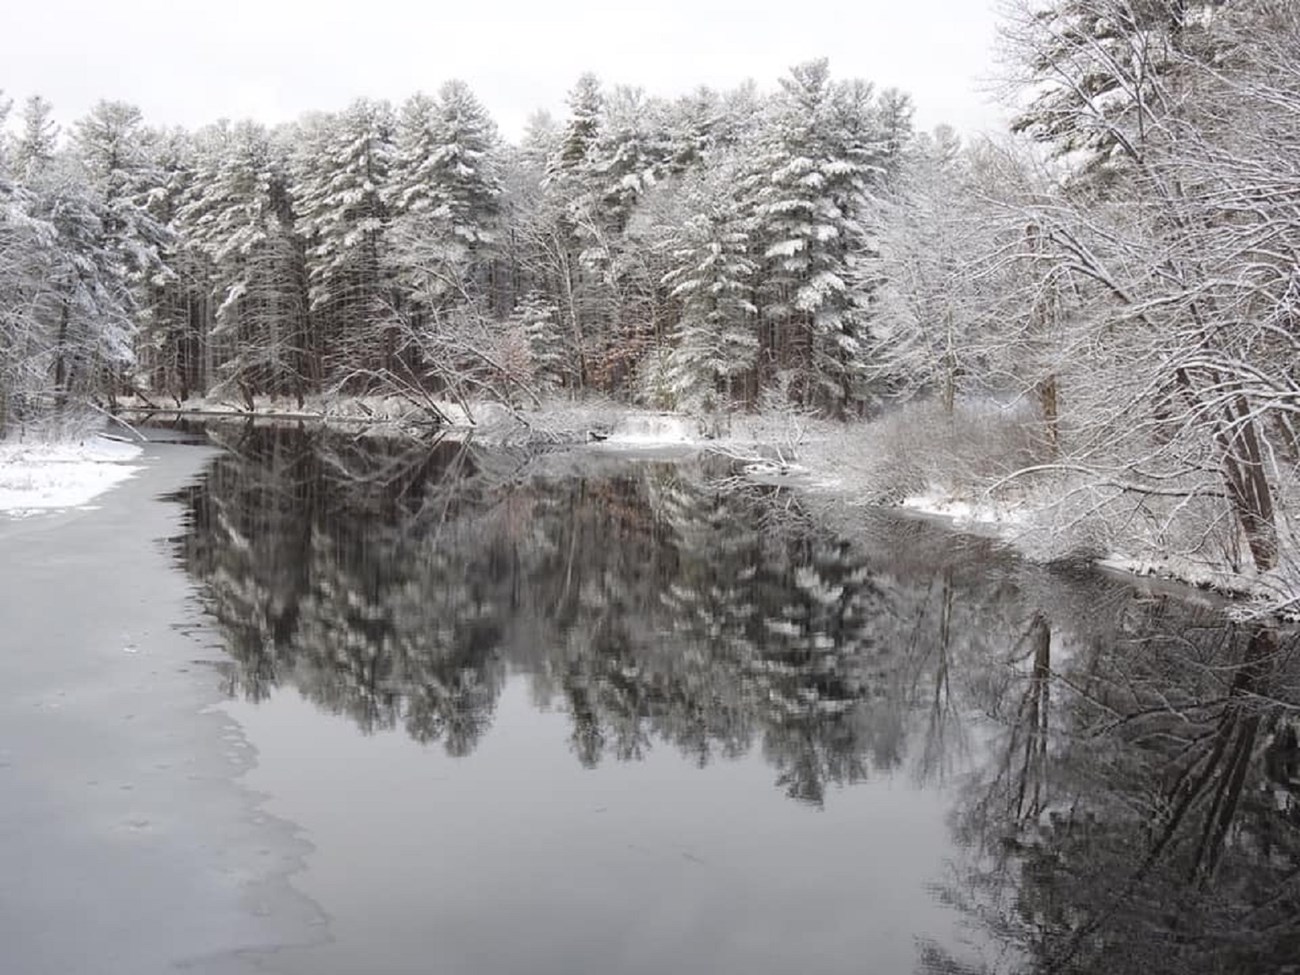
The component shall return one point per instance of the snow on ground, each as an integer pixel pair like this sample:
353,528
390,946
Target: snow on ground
963,511
653,430
39,477
1272,591
1030,529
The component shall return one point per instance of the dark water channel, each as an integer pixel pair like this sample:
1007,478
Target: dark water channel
569,714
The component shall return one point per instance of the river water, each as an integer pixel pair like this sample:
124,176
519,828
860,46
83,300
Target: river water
577,712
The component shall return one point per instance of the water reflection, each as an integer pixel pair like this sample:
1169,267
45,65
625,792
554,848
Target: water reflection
1138,812
399,586
1125,765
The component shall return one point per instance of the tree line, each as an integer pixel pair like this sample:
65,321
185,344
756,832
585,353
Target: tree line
640,247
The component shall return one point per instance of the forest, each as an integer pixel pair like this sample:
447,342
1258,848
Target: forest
1117,275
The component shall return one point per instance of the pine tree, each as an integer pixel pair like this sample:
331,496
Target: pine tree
172,319
239,216
340,176
627,158
467,185
35,147
586,102
807,184
115,152
114,147
690,129
548,346
450,196
411,184
715,340
66,312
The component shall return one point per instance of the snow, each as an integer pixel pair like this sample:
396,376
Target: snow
1268,589
963,511
40,477
652,430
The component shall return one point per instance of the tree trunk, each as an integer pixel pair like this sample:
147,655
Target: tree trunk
1047,399
61,360
1248,487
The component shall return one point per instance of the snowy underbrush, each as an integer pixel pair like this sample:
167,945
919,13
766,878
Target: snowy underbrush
592,420
914,451
1195,539
62,465
1000,482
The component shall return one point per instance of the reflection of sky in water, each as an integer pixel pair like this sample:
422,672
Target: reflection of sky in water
518,859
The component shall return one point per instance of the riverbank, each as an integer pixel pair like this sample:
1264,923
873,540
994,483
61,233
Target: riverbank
37,477
980,473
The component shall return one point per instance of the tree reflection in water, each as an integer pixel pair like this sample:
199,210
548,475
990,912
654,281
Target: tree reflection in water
1140,813
1124,766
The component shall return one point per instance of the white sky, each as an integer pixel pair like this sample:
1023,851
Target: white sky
191,63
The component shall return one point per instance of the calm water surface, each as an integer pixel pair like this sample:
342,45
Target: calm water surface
565,715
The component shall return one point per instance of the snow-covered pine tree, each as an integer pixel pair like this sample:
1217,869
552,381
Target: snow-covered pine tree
628,157
446,197
715,339
806,187
619,259
116,154
239,216
689,125
548,345
115,149
35,145
65,304
410,185
586,102
893,121
340,174
465,170
171,319
568,199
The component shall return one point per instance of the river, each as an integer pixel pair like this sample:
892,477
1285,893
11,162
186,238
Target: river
500,712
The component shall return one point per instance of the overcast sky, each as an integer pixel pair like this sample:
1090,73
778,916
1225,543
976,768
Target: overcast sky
191,63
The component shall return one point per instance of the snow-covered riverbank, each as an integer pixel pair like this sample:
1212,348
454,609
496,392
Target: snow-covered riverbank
42,476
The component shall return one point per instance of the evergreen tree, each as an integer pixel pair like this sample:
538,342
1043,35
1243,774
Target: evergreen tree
807,184
548,346
239,216
449,194
114,150
586,102
715,340
340,176
35,147
411,184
